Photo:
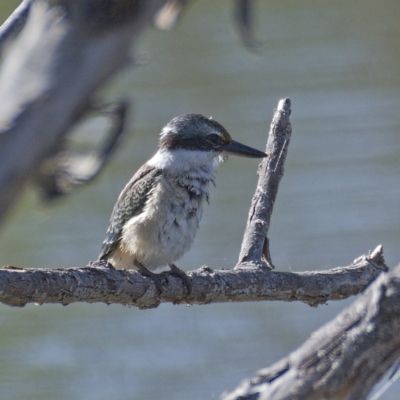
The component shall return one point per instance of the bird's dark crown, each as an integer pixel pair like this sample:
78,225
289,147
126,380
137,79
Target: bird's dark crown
194,132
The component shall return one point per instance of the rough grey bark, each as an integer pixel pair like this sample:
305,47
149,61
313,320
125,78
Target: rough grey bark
255,245
100,283
342,360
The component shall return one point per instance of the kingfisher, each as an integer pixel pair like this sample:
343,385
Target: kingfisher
157,215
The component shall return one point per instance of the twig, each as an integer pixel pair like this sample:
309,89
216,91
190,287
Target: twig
255,245
243,17
99,283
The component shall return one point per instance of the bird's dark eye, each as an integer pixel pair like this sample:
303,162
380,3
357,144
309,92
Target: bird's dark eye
214,138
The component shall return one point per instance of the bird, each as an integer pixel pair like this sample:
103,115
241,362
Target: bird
156,217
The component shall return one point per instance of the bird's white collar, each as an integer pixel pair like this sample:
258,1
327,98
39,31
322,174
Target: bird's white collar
179,160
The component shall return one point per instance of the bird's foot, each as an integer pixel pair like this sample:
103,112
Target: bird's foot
186,280
100,263
156,279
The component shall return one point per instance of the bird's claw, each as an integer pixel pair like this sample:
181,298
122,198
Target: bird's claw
186,280
156,279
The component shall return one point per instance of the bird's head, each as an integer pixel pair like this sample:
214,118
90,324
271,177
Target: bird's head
194,132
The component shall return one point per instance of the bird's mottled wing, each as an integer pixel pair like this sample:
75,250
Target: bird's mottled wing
130,203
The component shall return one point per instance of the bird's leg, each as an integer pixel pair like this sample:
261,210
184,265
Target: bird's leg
186,280
144,271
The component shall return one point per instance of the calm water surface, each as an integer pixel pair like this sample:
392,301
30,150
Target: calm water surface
338,62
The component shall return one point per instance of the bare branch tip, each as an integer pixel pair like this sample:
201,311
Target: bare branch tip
284,105
377,256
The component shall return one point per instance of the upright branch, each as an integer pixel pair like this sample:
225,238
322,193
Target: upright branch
255,245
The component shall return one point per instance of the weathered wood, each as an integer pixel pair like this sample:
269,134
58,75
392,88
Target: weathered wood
100,283
255,245
342,360
66,51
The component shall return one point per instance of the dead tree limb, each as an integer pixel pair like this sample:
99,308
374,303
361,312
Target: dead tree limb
255,245
67,50
342,360
99,283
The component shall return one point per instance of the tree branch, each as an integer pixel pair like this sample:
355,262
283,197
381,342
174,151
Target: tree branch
100,283
66,51
255,245
342,360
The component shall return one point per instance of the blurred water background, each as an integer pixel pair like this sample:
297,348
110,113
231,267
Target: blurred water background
339,63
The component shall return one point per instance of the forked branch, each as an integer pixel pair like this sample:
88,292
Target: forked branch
101,283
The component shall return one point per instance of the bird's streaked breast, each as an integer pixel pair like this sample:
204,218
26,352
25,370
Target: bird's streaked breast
166,228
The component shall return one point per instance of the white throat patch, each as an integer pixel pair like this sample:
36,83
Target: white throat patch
190,161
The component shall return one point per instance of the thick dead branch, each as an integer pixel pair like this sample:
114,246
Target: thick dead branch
342,360
255,245
66,51
100,283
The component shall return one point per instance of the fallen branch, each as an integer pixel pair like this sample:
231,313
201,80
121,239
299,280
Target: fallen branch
342,360
100,283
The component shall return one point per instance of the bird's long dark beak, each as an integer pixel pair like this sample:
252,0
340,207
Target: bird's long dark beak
242,150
